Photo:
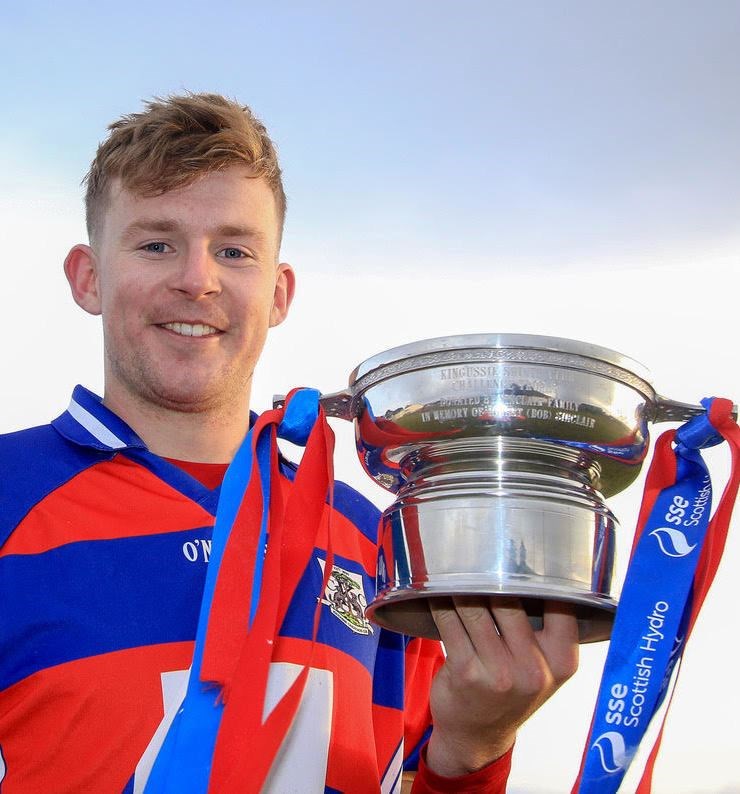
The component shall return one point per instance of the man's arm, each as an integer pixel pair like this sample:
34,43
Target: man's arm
498,672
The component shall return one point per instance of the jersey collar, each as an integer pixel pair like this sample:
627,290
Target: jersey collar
89,423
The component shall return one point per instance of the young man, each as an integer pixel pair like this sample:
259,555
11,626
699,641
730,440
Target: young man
108,512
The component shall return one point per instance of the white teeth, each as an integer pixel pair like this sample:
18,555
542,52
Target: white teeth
186,329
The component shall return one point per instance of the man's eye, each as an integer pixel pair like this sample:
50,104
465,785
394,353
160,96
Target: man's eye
232,253
156,248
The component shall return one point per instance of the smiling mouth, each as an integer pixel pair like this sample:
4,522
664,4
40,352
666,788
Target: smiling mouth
188,329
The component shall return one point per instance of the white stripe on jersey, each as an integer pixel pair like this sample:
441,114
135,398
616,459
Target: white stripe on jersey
300,765
393,777
174,687
94,426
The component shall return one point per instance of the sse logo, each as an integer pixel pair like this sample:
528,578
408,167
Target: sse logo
612,751
672,541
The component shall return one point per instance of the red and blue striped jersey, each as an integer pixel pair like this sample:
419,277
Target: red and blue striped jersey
103,552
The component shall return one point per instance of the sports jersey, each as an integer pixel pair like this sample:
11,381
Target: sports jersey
103,552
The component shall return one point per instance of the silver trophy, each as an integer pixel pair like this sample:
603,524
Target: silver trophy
500,450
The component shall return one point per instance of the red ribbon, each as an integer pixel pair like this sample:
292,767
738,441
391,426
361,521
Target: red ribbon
720,415
662,474
238,659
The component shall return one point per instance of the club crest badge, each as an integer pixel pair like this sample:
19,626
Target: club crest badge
345,597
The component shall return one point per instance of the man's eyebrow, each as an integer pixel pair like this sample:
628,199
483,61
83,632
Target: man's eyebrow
150,225
238,231
166,225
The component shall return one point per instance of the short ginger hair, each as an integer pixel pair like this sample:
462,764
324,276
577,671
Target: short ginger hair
174,141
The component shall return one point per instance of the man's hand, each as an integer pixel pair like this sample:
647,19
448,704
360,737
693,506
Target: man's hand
498,672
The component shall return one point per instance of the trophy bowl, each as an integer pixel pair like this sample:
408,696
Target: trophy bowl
500,450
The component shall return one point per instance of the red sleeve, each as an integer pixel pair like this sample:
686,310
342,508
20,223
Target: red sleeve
489,780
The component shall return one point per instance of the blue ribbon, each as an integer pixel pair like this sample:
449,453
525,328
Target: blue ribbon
183,764
652,619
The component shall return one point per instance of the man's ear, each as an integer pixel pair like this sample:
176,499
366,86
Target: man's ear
284,291
81,269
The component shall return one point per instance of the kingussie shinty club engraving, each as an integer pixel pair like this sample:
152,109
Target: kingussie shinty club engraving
500,450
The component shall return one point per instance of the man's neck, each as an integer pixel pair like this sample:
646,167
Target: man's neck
209,436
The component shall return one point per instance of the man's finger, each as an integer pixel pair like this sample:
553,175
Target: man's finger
513,622
485,637
528,660
559,639
468,631
451,630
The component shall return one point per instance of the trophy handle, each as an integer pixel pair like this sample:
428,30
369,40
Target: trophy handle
665,410
337,403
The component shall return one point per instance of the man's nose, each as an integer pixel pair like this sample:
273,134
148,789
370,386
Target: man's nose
197,273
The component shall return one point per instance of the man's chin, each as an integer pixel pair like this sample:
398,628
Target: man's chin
188,401
191,398
182,390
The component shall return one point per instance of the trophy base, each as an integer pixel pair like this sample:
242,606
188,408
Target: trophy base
542,534
409,612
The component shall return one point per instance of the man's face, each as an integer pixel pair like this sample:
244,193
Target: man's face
188,285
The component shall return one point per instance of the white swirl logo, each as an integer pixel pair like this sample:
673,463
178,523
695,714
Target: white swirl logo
611,751
672,542
2,766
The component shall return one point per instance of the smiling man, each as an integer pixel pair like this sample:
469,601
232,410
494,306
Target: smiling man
188,284
105,533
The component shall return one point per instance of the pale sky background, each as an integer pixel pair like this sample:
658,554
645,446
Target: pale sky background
564,168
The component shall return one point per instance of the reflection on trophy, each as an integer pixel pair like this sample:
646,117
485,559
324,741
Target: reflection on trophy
500,450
